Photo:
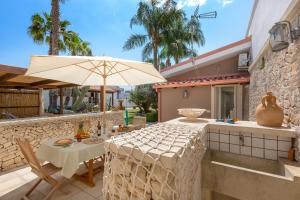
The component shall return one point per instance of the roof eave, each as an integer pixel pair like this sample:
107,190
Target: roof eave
210,83
208,58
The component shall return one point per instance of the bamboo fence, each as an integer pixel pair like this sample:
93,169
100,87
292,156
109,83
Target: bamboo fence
21,103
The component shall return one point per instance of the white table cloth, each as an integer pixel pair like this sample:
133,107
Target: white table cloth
68,158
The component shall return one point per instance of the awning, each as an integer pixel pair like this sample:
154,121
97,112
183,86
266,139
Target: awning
224,79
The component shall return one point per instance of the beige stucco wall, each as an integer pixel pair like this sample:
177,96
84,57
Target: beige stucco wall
200,97
223,67
172,99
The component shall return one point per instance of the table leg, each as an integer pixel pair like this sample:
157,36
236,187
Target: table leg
90,174
88,177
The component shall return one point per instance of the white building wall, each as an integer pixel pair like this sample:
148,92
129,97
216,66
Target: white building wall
266,14
46,99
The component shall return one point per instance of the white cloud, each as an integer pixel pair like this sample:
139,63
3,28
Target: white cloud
161,3
225,2
190,3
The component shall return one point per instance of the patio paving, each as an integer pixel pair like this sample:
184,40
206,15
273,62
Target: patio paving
14,184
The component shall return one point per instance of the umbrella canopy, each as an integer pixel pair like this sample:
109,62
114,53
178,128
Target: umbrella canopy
96,70
93,71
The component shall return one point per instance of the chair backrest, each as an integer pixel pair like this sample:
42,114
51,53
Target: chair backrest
29,155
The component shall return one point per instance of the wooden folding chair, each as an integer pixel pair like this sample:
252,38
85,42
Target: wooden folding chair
44,172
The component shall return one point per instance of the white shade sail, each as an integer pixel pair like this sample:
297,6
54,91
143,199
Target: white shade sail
93,70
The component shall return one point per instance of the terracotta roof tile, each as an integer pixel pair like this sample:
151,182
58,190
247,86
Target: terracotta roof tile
206,80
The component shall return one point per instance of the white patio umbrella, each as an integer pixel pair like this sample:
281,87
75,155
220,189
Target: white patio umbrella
93,71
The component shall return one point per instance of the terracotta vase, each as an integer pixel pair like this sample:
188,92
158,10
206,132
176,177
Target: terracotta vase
268,113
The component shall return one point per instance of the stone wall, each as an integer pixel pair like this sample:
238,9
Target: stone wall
38,129
280,74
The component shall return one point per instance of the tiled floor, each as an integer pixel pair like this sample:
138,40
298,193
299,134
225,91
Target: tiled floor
13,186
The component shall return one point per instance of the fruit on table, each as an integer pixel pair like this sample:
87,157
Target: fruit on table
80,132
78,136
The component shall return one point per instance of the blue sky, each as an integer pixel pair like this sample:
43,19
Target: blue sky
105,24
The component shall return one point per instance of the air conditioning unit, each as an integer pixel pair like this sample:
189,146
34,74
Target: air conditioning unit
243,61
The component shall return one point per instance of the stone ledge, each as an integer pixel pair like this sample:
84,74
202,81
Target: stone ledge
27,121
253,127
244,126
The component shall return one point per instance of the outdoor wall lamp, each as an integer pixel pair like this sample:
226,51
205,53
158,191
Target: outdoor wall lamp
185,94
281,34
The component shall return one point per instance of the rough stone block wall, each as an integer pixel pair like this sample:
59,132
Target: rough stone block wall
38,129
280,75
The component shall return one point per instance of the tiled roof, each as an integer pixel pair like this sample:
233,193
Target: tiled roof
207,80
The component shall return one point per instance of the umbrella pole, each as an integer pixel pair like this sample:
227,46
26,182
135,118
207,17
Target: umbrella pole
104,109
104,101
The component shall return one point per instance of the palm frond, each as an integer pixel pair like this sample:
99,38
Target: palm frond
146,52
135,40
37,30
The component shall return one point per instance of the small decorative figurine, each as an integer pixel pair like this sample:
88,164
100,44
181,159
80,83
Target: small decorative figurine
268,113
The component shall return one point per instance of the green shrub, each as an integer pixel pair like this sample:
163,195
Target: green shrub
152,116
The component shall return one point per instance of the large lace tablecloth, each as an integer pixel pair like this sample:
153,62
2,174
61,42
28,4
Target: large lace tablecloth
68,158
158,162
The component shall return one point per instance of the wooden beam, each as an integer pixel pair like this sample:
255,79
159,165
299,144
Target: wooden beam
41,102
44,82
17,84
12,70
65,86
61,101
7,77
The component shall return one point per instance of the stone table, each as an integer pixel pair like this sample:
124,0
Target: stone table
158,162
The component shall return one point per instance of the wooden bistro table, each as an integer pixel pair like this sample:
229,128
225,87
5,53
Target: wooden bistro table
69,158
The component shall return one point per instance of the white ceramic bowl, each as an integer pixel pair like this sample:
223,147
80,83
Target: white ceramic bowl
191,113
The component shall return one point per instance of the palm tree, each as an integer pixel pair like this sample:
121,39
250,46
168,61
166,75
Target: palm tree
85,49
154,18
55,27
40,30
195,34
178,39
174,43
75,45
